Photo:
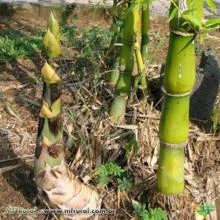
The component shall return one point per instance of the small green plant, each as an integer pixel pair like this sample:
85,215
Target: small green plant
143,213
90,42
14,45
111,172
94,41
124,182
205,209
69,33
131,148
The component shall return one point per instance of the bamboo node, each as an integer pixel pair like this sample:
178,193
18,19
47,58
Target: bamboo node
118,44
175,95
182,34
169,145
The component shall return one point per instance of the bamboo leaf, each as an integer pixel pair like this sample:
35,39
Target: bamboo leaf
212,23
173,14
188,12
197,24
211,5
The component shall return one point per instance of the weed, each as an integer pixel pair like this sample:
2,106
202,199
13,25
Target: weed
111,171
143,213
91,43
69,34
14,45
205,209
131,148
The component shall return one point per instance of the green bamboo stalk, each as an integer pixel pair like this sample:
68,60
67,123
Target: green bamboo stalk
178,83
141,56
145,29
118,11
141,70
49,147
137,58
114,74
123,86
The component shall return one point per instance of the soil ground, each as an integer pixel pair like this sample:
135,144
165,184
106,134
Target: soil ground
18,128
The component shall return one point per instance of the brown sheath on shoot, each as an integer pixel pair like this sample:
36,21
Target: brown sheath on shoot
52,176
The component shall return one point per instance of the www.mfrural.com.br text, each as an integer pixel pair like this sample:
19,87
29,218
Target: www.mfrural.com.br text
35,211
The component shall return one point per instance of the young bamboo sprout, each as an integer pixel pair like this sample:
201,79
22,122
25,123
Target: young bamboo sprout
178,83
53,26
123,87
52,176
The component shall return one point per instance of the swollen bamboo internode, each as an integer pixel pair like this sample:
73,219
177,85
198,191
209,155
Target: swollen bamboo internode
179,79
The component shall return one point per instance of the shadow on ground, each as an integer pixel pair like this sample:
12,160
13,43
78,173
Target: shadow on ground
206,91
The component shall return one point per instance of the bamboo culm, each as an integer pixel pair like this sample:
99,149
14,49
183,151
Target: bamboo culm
131,29
178,83
118,11
145,30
